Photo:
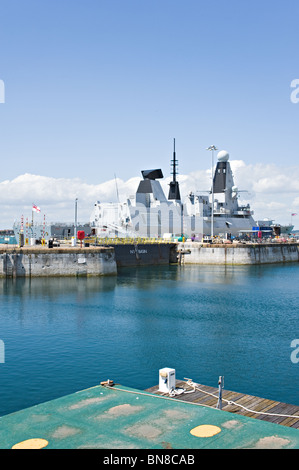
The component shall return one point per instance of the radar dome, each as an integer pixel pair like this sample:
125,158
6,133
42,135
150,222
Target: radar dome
223,156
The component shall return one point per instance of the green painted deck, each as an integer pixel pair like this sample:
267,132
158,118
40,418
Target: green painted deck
124,418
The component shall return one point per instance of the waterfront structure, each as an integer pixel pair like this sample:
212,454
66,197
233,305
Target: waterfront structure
57,262
25,233
136,419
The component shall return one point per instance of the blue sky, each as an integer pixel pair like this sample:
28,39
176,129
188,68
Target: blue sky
96,88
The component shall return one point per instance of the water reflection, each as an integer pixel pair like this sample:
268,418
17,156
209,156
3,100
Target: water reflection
52,288
147,278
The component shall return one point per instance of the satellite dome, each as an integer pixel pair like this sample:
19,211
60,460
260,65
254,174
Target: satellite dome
223,156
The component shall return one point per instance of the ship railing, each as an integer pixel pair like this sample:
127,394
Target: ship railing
126,240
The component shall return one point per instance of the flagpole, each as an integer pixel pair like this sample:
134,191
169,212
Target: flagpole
32,221
36,209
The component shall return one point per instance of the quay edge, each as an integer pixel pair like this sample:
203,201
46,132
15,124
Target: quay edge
236,253
58,261
38,261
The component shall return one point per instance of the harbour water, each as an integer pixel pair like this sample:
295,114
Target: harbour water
62,335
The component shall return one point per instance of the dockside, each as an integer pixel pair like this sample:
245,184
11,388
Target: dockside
107,257
40,261
237,253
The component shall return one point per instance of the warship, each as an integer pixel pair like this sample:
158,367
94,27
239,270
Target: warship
151,214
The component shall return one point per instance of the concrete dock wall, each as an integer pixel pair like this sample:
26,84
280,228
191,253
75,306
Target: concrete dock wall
101,261
32,262
198,253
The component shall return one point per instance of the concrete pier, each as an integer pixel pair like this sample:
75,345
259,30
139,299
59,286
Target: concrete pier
37,261
59,261
236,253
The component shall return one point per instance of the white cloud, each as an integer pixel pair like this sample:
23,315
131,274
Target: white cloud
272,191
56,197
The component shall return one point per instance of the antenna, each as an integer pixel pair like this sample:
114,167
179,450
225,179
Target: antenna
174,191
116,188
174,164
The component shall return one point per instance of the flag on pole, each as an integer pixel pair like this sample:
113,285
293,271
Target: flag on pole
35,208
293,214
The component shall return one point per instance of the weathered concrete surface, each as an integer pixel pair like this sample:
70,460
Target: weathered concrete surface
62,261
259,253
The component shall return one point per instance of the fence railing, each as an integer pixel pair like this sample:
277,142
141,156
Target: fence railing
127,241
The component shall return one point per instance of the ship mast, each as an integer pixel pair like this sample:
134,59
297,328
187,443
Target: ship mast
174,190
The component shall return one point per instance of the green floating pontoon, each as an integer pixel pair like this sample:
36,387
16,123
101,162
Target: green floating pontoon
119,417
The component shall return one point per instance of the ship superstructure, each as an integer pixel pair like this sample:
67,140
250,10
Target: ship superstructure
149,213
229,217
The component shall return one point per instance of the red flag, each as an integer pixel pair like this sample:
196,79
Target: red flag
35,208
